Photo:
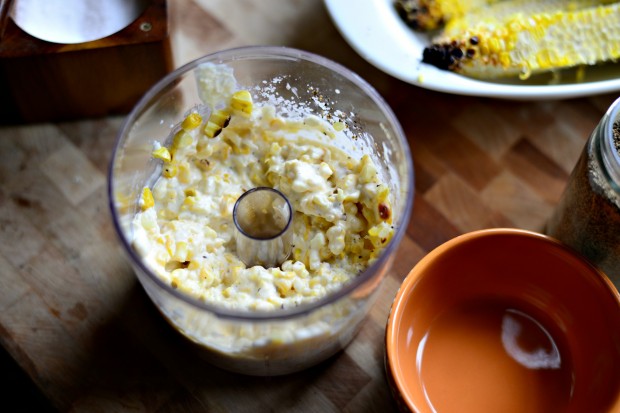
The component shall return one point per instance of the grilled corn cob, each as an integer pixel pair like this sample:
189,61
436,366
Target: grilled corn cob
426,15
522,44
501,11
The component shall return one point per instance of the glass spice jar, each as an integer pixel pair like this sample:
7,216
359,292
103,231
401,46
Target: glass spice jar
587,217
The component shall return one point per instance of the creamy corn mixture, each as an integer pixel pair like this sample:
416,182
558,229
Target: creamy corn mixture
185,232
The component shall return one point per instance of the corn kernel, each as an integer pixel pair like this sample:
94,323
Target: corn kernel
149,221
169,171
276,123
242,101
368,171
211,129
146,200
180,252
220,118
182,139
162,153
206,276
184,174
189,201
203,148
170,246
167,214
209,232
203,164
192,121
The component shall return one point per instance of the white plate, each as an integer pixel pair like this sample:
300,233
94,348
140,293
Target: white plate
375,30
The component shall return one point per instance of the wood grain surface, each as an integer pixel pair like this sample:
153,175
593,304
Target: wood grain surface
75,319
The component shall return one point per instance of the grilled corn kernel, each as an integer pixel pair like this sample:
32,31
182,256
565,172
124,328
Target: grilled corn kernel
146,200
162,153
211,129
217,121
203,164
242,101
220,117
426,15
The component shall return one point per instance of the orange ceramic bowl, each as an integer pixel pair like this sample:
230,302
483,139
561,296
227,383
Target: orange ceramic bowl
505,320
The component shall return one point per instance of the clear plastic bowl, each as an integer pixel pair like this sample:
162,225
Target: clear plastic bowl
278,342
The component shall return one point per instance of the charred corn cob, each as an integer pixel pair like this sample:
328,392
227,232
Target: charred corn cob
522,43
426,15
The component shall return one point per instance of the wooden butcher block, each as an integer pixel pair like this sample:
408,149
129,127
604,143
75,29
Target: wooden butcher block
75,319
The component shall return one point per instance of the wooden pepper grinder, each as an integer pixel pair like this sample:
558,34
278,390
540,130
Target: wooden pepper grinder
51,74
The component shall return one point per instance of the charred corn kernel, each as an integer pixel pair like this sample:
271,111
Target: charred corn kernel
182,139
162,153
524,37
169,170
146,200
211,129
220,118
242,101
192,121
380,235
430,14
203,164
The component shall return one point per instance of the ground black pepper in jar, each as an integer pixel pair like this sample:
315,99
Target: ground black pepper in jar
587,217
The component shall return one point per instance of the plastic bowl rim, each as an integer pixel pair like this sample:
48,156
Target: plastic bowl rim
283,53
